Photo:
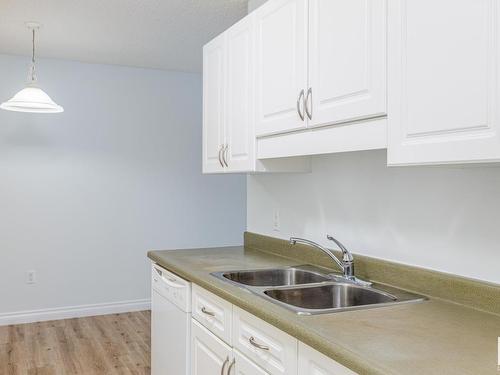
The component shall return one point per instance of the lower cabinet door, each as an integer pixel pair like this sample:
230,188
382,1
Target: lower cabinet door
243,366
312,362
209,354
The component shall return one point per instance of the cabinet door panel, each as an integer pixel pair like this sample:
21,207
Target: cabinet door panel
444,104
243,366
239,109
312,362
208,353
281,64
347,60
213,103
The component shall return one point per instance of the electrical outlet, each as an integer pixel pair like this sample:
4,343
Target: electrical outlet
276,220
30,277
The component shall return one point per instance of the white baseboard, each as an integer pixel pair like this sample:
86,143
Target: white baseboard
43,315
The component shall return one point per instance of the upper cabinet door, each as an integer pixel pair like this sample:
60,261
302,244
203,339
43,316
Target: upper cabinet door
444,81
240,138
213,104
347,60
281,65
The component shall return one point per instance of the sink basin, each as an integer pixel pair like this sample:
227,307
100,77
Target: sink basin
275,277
331,296
309,290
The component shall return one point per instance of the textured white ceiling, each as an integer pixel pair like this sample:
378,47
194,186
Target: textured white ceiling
164,34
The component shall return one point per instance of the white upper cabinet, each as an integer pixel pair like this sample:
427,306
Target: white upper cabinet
418,77
228,111
281,66
320,63
213,104
347,60
240,137
229,143
444,81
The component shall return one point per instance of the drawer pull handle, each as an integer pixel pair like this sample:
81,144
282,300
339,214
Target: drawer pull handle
257,345
306,103
220,160
300,99
206,312
224,366
231,366
224,155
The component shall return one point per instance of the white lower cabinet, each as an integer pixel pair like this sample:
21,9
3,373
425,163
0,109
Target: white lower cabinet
258,348
212,312
244,366
209,354
269,347
312,362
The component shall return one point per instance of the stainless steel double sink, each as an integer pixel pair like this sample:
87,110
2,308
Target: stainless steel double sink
308,290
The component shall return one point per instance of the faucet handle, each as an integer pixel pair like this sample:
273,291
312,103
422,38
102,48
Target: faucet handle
346,254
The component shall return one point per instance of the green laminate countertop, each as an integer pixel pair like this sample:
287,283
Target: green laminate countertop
430,337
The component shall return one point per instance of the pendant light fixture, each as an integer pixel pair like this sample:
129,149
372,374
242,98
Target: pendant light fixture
32,99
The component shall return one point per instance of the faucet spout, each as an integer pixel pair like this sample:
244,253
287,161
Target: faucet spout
346,264
296,240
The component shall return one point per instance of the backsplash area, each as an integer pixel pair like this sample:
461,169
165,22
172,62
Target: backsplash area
444,218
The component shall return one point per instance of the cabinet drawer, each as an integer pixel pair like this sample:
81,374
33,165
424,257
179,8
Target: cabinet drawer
212,312
272,349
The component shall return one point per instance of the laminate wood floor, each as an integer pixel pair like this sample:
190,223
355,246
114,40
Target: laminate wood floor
108,344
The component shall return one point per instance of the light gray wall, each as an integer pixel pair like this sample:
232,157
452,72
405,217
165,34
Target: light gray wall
84,194
444,218
254,4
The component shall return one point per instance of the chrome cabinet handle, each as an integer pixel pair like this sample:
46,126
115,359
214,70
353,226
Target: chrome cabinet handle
231,366
306,103
220,161
224,155
206,312
301,95
224,366
257,345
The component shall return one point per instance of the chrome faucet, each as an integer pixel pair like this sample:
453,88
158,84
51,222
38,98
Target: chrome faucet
347,263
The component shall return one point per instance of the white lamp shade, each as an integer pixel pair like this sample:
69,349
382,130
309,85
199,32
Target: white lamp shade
32,99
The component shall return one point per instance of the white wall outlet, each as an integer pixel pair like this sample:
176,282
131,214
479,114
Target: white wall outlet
276,220
30,277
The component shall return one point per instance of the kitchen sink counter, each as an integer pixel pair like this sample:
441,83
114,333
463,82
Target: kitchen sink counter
431,337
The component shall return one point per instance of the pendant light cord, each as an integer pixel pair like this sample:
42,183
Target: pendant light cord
32,77
33,41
